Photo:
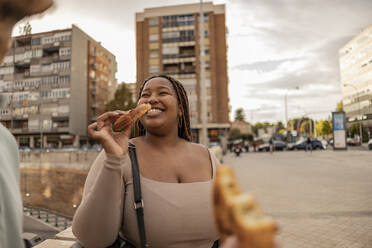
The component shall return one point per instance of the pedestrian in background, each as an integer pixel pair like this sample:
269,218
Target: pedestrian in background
11,212
271,145
308,145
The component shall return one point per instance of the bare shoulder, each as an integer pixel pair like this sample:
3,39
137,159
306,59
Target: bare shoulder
198,149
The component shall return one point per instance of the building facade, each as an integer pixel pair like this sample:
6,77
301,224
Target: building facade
167,40
57,83
356,79
132,88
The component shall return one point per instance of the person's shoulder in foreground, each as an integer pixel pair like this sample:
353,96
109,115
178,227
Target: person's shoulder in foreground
10,200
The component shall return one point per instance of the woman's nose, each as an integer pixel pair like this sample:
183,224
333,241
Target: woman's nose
152,99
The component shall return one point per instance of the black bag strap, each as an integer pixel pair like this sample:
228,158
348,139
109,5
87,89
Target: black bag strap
138,202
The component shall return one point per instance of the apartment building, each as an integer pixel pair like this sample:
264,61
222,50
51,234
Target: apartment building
57,83
168,42
132,88
356,79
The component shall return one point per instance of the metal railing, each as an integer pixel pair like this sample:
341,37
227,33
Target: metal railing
53,218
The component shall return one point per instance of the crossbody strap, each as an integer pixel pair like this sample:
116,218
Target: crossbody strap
138,202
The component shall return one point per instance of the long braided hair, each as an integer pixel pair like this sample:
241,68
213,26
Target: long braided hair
184,130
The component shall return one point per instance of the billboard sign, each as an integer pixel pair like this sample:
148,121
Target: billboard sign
339,130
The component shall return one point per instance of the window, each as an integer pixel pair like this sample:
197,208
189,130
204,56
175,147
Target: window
154,37
154,54
187,35
35,68
65,51
64,80
178,20
8,59
37,53
153,22
7,70
36,41
171,36
47,68
154,69
170,52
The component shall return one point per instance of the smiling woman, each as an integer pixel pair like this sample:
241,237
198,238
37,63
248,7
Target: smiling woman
176,177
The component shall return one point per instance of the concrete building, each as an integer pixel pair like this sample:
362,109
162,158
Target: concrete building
132,88
167,40
356,79
243,126
57,83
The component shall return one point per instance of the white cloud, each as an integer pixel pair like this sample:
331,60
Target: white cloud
272,46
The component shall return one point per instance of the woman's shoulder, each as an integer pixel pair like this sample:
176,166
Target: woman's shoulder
198,149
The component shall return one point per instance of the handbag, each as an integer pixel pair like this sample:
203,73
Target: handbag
138,204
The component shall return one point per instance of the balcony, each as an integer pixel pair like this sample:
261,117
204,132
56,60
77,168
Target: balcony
179,59
93,91
179,39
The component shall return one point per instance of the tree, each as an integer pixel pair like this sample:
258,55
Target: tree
340,106
257,126
239,115
327,127
279,126
319,127
234,134
122,100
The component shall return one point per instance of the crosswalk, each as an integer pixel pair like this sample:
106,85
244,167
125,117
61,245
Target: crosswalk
53,219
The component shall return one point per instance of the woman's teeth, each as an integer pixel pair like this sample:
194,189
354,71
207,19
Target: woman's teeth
154,111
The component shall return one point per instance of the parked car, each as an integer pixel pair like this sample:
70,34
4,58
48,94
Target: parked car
324,143
316,144
301,145
25,149
278,145
370,144
352,142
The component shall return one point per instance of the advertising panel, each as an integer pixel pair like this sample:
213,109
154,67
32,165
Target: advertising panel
339,130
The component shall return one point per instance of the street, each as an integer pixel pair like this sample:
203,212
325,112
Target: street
319,199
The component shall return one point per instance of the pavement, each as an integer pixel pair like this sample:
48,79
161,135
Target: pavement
321,199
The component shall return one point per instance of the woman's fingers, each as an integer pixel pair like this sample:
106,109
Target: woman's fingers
92,129
107,118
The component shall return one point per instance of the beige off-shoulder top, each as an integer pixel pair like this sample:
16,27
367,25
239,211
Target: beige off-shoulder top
176,214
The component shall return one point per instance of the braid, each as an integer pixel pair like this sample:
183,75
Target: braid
184,129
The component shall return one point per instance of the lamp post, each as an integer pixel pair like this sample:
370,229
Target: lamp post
203,96
286,106
359,110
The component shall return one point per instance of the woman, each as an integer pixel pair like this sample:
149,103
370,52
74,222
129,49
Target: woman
176,177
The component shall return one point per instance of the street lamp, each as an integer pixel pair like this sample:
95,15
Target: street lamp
203,96
359,110
286,106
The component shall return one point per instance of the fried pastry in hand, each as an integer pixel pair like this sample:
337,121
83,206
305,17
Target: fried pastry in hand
237,213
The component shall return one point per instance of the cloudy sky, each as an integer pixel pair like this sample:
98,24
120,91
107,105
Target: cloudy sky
275,47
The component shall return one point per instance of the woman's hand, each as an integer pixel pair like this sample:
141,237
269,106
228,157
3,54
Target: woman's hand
115,143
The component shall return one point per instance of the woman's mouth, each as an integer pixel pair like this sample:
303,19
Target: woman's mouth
154,112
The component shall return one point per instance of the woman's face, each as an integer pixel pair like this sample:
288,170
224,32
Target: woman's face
159,92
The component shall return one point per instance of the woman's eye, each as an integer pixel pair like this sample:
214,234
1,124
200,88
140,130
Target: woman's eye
163,93
144,95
